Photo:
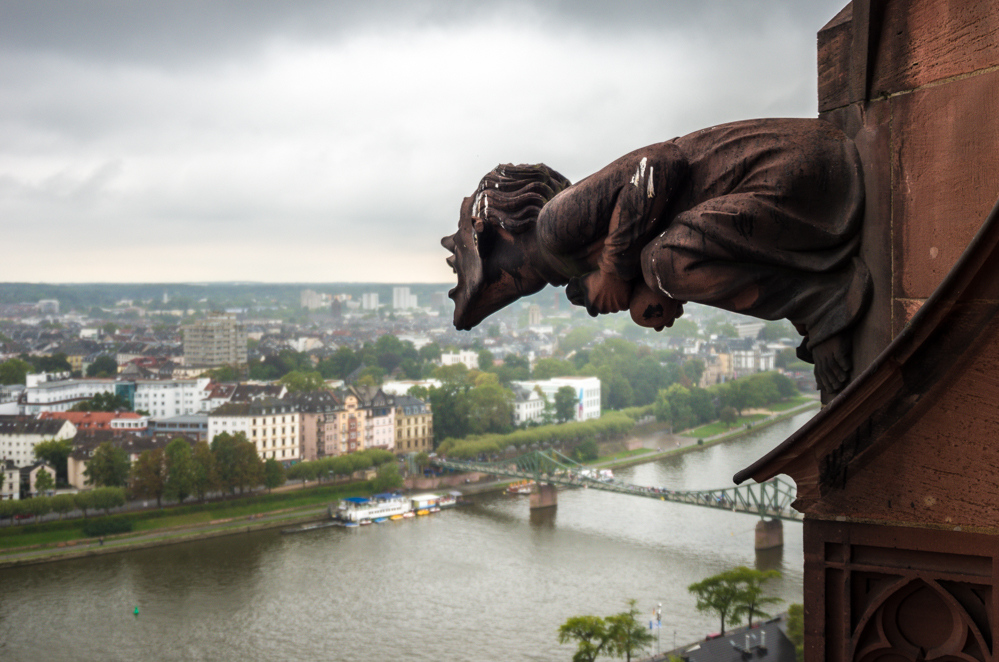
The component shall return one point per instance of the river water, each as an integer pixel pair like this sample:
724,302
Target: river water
488,581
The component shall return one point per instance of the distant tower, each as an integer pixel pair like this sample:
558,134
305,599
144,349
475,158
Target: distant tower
534,315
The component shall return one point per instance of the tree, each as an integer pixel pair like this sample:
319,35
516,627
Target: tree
274,475
225,373
796,630
55,453
751,598
204,477
490,408
249,469
485,360
148,477
108,466
548,368
728,416
108,498
179,470
44,481
298,381
719,594
103,366
589,633
387,478
104,402
14,371
63,503
625,634
565,404
84,501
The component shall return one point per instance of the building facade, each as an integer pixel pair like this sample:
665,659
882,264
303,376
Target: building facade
587,391
19,434
216,341
414,425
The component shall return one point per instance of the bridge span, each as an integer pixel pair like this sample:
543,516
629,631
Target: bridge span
770,501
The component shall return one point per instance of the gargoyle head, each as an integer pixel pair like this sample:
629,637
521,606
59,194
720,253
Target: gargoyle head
492,249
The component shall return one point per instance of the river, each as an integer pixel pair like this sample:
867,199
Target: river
488,581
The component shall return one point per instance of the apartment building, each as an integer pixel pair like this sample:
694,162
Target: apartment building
272,425
414,425
216,341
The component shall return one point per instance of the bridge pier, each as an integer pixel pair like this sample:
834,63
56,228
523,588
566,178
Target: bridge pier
769,534
544,495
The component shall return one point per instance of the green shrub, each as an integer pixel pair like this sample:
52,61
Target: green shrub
107,526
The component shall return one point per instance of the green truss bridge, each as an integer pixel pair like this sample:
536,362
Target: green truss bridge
770,500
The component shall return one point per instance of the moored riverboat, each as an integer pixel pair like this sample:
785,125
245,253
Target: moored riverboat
365,510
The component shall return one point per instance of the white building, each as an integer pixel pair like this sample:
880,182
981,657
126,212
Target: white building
402,299
313,300
271,424
587,393
369,301
466,356
19,434
46,392
402,387
11,487
758,359
171,397
528,404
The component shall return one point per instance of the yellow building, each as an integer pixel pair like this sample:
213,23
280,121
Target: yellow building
414,425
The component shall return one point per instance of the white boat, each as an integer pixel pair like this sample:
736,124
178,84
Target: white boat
449,500
364,510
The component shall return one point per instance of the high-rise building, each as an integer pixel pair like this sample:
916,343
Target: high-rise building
369,301
402,299
218,340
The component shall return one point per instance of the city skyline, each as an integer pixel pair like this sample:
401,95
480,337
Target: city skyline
311,142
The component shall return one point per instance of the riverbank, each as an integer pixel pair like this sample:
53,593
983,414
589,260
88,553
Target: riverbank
657,443
662,445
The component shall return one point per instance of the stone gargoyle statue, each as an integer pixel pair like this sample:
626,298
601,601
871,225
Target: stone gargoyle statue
760,217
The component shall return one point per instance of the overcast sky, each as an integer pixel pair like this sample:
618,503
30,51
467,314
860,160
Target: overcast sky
294,141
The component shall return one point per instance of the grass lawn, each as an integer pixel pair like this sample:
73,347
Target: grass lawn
790,404
623,455
716,428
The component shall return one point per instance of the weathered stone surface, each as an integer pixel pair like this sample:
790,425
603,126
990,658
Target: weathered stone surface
926,41
945,164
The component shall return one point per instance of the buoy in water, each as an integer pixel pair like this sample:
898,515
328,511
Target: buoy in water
136,611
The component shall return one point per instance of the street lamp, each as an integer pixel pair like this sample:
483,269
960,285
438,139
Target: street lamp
659,627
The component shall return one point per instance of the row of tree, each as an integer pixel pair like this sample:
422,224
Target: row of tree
179,471
611,425
343,466
102,498
619,635
734,594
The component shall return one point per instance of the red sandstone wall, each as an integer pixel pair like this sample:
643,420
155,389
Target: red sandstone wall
916,83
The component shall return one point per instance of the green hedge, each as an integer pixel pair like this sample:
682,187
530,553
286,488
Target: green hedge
609,425
107,526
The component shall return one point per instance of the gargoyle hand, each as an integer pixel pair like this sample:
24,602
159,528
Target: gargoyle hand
604,292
